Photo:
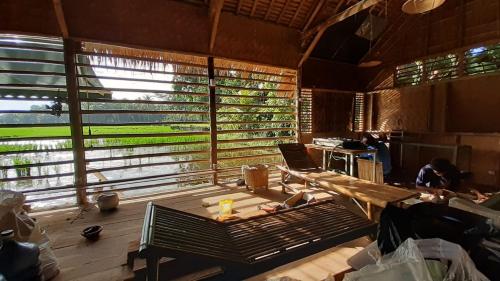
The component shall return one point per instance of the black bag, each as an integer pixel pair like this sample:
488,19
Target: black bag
429,220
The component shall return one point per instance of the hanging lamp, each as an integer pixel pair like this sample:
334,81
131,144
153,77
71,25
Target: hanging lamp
420,6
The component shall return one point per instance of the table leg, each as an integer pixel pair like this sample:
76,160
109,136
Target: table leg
152,267
324,160
374,167
351,165
369,211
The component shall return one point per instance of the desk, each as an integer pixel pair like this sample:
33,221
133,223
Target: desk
349,156
371,193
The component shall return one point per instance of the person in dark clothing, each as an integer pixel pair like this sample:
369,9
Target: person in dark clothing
383,154
439,176
440,173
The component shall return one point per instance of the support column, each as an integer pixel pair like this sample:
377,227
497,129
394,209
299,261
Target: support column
75,119
213,117
298,102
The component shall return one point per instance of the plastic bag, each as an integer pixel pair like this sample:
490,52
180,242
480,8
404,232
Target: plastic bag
48,261
461,268
408,262
405,263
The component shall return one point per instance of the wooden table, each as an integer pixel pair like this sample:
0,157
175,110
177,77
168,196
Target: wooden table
371,193
349,156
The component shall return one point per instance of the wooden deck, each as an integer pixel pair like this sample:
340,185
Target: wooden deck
105,259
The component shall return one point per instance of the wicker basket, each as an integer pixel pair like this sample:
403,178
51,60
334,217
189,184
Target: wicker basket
256,176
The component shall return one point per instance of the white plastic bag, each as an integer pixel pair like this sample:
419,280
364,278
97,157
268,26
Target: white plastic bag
408,263
461,268
48,261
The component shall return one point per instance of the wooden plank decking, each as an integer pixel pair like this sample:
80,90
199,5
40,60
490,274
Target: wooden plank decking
106,258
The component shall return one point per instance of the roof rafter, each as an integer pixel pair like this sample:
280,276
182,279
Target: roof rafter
318,7
321,28
60,18
254,8
283,10
240,4
215,9
296,13
268,13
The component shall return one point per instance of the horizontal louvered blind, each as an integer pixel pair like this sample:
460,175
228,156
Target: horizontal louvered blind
409,74
306,111
359,112
441,68
482,60
146,123
255,112
35,142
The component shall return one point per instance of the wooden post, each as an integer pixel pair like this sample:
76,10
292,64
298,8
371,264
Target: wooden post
298,103
75,119
213,117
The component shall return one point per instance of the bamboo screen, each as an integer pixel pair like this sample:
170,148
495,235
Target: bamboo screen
256,110
306,111
35,142
147,125
359,112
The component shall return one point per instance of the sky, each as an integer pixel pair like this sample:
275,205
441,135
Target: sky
110,83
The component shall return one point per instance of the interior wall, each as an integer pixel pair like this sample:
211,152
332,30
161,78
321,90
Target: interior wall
461,112
159,25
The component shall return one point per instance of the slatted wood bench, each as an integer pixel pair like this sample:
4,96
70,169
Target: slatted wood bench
247,247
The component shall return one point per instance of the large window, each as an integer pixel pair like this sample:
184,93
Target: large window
255,111
147,123
35,142
475,61
145,119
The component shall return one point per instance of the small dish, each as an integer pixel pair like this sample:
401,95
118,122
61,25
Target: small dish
92,232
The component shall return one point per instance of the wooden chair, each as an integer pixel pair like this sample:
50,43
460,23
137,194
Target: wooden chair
365,171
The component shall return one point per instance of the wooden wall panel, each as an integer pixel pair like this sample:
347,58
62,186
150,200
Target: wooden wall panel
331,112
28,16
159,25
462,112
253,40
474,105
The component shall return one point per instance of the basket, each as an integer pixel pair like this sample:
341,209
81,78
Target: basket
256,176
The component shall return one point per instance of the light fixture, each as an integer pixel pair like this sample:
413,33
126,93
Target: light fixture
421,6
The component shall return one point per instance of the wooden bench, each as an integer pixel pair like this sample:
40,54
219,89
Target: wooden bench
372,194
247,247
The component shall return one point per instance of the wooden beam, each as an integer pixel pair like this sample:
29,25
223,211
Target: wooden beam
268,13
311,47
352,10
215,10
75,120
321,28
60,18
315,12
213,117
254,8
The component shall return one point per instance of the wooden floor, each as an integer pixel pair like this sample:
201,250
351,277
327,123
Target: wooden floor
105,259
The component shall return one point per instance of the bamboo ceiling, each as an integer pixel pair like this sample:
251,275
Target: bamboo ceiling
292,13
